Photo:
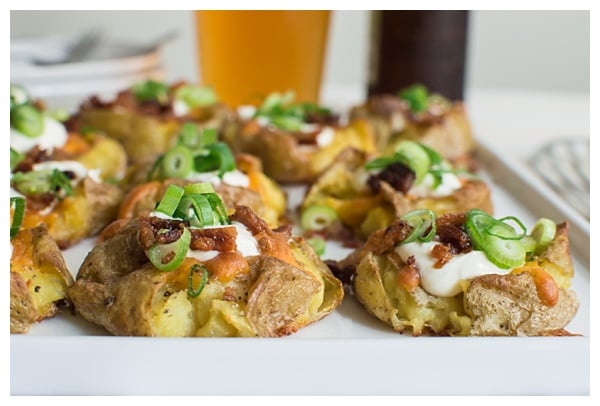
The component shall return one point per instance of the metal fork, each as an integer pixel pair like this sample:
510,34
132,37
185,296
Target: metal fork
79,50
565,166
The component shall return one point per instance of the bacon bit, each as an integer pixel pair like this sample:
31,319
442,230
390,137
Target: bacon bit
149,231
247,217
457,240
442,253
227,265
452,219
397,175
408,275
219,239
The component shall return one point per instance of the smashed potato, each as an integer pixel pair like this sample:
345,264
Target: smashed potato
281,289
39,279
530,299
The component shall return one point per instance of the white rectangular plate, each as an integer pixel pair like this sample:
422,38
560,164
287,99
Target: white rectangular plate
347,353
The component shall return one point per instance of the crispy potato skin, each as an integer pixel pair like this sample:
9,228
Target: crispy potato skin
92,207
448,133
119,289
284,159
146,136
515,304
39,278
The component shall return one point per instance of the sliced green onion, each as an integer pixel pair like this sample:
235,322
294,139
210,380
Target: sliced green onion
226,159
543,233
15,158
380,163
196,96
318,244
202,213
497,239
28,120
504,253
59,115
151,90
167,257
219,208
415,157
190,136
170,201
18,215
35,183
287,123
177,163
528,243
317,217
417,97
194,293
423,224
199,188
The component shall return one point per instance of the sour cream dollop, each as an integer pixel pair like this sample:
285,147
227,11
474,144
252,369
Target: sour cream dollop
54,135
446,281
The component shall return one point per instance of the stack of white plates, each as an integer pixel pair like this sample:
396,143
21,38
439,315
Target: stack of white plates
106,68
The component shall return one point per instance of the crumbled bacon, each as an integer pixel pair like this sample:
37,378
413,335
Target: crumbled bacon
408,274
457,240
247,217
218,239
397,175
442,254
156,230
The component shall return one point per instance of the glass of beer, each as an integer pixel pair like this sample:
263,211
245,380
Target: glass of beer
246,54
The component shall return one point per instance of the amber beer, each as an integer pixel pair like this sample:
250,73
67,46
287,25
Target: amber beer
245,55
418,46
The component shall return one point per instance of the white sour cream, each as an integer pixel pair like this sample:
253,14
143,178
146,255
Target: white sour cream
246,112
231,178
446,281
449,184
325,137
78,169
180,108
54,135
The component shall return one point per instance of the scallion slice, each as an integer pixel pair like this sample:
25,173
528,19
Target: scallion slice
417,96
177,163
543,233
170,201
194,293
151,90
18,215
196,96
318,244
317,217
413,155
423,224
201,213
15,158
28,120
167,257
199,188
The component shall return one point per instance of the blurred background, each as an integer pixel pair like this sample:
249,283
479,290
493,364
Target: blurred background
534,50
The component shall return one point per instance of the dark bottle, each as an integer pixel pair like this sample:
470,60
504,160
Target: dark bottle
410,46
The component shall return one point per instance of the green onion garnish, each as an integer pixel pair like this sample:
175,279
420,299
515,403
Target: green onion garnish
167,257
543,233
284,114
417,97
423,225
18,215
168,204
151,90
15,158
498,240
194,293
317,217
28,120
177,163
318,244
35,183
196,96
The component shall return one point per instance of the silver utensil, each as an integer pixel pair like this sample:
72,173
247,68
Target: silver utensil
564,164
78,51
